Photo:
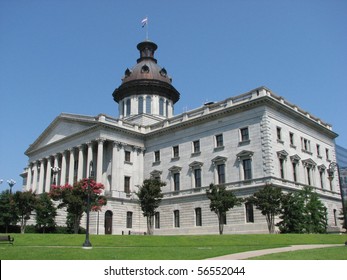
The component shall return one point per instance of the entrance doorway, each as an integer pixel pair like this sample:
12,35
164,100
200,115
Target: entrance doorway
108,222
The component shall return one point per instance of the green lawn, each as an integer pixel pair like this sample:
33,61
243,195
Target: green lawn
114,247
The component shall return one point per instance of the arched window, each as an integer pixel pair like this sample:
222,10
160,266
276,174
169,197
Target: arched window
167,108
161,106
128,107
148,105
140,105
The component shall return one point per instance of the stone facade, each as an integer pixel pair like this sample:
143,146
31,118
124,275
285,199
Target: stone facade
244,142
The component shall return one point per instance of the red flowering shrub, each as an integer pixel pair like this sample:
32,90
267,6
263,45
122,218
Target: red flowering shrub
75,197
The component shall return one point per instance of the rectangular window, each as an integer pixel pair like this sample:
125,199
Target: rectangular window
219,140
175,152
279,133
129,219
249,213
176,182
157,220
224,218
196,146
305,145
291,138
244,134
318,150
127,156
198,217
282,167
177,218
221,173
327,154
321,177
157,156
127,184
308,172
197,177
247,169
294,172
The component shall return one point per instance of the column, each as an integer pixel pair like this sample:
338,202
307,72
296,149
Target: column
29,176
89,157
115,167
71,166
63,169
34,177
48,175
80,163
100,160
42,176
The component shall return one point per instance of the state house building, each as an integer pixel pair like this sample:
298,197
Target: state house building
244,142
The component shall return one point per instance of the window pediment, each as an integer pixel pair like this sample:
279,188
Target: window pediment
219,159
309,163
282,154
175,169
295,158
196,164
244,154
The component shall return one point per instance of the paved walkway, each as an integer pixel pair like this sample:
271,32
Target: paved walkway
251,254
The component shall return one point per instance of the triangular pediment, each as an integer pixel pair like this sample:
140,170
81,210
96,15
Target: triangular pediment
63,126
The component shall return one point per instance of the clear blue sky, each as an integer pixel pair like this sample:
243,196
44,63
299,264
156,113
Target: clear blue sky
69,55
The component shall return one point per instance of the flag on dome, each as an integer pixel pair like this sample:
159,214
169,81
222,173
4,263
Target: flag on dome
144,21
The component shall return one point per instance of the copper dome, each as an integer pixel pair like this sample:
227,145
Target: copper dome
146,77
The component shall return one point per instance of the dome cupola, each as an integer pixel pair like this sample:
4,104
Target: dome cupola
146,87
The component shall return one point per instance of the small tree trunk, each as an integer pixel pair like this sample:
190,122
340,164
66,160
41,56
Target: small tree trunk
150,225
76,224
221,224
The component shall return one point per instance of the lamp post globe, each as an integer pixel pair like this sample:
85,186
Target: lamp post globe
11,183
55,171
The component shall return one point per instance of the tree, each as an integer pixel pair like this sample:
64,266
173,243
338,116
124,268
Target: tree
74,198
303,212
268,201
8,214
45,212
150,196
221,200
25,203
292,214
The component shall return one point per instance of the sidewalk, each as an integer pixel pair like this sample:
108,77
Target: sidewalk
251,254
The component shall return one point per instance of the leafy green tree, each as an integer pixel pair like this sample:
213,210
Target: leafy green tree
221,200
25,203
45,212
150,196
268,201
303,212
292,214
8,214
315,212
74,198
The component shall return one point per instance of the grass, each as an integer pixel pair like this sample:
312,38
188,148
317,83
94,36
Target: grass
331,253
114,247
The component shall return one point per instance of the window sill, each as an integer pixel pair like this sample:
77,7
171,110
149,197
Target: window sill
156,163
280,141
128,162
196,154
175,158
220,148
245,142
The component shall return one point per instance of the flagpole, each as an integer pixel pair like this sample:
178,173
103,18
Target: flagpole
147,29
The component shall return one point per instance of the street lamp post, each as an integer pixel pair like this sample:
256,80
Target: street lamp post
11,183
332,167
87,244
55,171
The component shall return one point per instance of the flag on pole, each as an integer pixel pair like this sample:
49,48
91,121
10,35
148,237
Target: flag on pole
144,22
